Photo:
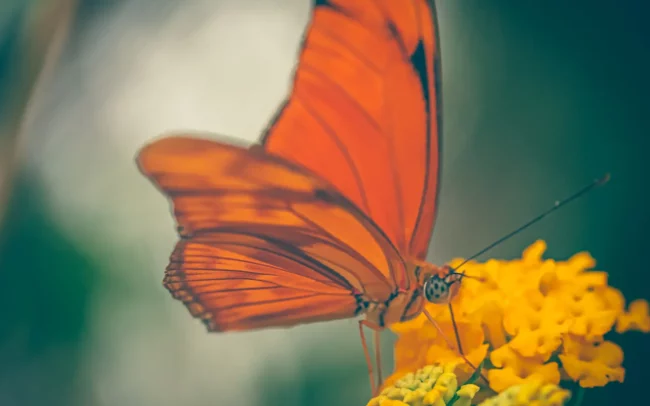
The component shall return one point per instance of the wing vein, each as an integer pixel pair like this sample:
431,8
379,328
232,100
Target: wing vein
342,148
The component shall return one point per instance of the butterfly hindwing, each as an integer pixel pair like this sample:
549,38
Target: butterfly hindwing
236,281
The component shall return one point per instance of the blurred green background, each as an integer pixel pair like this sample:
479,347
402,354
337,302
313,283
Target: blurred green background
539,98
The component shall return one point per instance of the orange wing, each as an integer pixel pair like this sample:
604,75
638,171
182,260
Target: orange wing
364,113
263,243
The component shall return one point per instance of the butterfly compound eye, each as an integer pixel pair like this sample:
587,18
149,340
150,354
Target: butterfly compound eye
436,290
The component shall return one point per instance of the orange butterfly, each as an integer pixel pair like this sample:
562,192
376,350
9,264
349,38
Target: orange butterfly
330,216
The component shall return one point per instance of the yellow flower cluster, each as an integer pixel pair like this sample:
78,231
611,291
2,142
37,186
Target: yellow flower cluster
437,385
531,393
528,319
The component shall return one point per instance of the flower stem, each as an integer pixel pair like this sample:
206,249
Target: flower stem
580,396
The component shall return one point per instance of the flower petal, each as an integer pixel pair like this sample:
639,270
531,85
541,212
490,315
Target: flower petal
636,318
532,392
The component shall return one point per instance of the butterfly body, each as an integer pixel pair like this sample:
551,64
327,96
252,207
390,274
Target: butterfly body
431,283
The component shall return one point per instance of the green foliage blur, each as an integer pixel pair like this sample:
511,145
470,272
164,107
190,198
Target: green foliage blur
539,98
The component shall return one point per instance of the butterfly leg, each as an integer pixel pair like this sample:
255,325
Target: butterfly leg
460,346
380,378
376,329
460,349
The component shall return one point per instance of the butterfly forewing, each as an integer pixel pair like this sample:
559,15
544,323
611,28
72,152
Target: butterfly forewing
363,113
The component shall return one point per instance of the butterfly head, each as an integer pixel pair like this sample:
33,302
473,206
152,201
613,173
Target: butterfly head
442,286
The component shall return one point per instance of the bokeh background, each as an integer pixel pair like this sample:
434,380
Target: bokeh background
539,99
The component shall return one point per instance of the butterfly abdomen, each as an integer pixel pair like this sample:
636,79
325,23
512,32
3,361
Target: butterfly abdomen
400,306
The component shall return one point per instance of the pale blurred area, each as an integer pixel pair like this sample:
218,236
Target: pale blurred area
526,122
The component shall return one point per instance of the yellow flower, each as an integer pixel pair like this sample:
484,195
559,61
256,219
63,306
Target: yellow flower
426,346
437,385
530,320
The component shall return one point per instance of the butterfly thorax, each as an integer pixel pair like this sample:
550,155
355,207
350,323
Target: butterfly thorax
436,284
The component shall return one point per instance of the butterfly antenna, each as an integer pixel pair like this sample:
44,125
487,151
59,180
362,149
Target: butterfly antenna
559,203
453,323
